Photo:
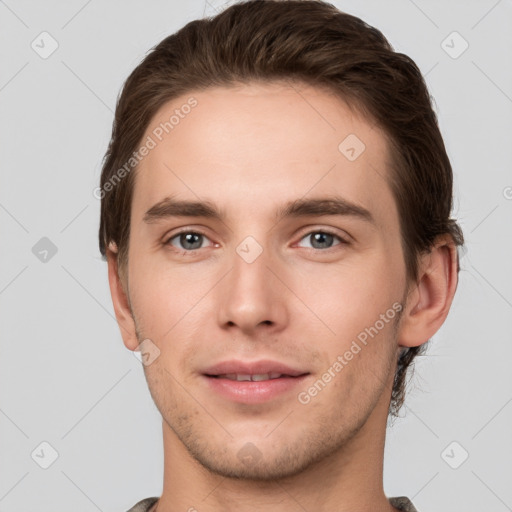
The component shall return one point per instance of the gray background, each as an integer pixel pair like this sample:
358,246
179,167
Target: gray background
65,376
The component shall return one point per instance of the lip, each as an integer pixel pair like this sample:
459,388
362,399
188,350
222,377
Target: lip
252,392
252,368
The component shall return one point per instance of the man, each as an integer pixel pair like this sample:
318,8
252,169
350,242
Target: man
275,215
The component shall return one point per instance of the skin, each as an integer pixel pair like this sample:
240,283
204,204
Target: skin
249,150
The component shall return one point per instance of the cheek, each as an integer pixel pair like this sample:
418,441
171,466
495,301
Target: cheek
346,298
157,307
359,369
170,309
353,307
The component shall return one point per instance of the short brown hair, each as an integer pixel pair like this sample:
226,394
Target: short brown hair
309,42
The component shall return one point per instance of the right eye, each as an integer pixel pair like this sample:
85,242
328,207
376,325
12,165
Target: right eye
187,241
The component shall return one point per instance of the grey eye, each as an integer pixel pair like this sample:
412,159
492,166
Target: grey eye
321,239
189,240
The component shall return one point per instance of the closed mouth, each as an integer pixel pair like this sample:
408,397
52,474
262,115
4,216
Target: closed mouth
257,377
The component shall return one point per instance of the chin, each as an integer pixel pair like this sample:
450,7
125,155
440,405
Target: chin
262,468
262,461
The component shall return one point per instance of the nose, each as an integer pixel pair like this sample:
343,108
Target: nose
251,297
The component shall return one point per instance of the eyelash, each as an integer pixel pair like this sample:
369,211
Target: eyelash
309,233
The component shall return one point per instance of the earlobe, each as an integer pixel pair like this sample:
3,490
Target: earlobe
120,300
429,301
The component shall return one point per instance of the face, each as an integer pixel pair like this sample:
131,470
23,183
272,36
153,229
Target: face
273,301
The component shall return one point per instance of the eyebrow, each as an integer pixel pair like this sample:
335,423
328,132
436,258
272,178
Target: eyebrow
332,205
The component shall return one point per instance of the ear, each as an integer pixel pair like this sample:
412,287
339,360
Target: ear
120,300
429,300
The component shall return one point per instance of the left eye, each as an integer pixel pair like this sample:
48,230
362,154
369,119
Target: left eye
322,239
189,240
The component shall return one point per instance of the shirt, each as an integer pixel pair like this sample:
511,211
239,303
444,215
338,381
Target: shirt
401,503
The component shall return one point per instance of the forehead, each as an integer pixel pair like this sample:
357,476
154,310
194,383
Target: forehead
254,145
